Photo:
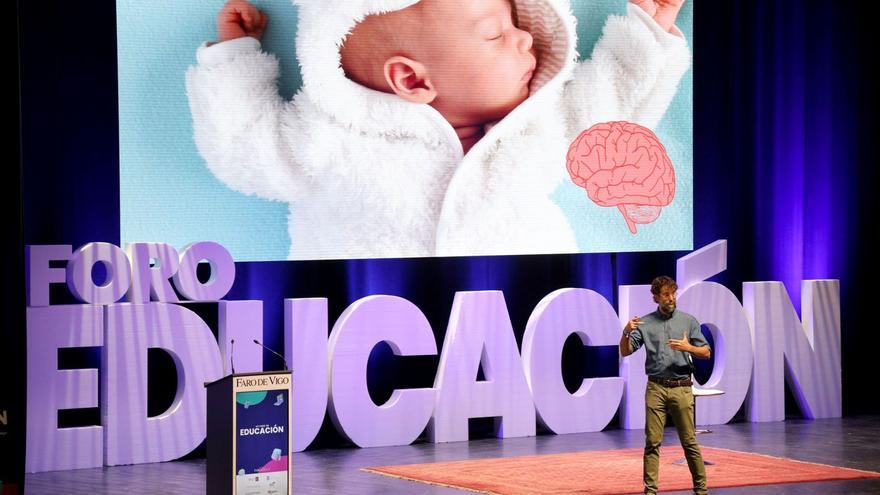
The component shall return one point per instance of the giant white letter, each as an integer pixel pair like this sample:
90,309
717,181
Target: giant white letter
40,275
50,389
364,324
480,332
716,307
131,436
809,353
561,313
634,300
305,346
152,265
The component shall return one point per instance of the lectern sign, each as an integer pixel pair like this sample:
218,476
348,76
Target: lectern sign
262,434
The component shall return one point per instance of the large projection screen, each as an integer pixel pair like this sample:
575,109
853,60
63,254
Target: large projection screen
305,169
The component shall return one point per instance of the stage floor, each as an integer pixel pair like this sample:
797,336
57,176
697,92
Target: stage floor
852,442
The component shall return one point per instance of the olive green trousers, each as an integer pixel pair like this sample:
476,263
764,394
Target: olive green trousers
677,402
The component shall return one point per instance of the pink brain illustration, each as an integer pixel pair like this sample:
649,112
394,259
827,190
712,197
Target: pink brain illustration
624,165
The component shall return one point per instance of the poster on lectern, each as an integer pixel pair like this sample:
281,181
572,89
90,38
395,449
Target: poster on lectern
262,442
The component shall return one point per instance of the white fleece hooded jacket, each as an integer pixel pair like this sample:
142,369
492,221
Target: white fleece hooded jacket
368,174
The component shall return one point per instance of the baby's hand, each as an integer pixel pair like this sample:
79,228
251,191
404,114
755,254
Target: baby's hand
239,18
664,12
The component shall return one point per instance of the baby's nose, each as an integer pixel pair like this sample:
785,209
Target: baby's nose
524,40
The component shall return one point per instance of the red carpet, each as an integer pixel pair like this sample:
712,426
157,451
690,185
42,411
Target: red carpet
612,472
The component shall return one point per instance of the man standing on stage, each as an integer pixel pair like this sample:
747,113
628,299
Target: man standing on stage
670,338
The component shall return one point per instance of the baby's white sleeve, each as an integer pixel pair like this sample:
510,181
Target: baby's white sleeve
242,127
632,75
226,51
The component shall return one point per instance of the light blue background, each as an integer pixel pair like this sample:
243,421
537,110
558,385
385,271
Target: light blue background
168,195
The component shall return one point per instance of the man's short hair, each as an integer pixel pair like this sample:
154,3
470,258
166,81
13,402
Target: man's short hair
662,281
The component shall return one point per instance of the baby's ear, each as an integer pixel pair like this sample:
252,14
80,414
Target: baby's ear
409,80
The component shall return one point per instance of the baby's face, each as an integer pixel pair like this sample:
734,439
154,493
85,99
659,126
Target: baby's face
479,62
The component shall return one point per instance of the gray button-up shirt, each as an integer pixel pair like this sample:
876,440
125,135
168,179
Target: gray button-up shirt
655,331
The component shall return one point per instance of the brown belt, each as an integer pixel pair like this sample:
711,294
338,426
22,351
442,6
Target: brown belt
668,382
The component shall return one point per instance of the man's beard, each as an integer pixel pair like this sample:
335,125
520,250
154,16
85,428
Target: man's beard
668,307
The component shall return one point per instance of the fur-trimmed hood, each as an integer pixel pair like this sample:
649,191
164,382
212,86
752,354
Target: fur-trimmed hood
324,24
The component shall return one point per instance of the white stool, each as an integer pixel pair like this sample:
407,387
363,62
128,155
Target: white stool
703,392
